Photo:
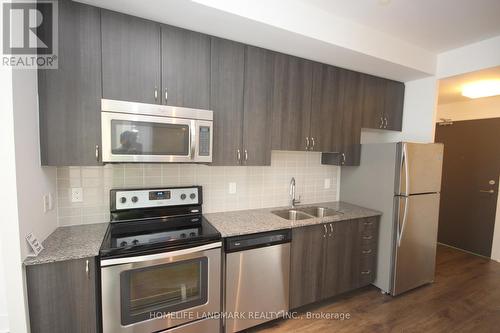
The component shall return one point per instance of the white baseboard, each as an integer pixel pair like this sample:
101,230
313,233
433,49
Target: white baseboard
4,324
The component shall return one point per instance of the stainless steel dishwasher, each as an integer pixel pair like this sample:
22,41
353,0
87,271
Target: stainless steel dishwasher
256,278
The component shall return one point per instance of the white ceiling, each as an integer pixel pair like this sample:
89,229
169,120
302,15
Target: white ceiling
435,25
450,89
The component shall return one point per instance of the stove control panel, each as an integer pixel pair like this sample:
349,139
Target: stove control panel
147,198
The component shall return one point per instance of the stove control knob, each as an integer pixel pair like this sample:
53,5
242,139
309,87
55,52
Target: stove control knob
135,242
183,235
192,234
123,200
124,243
183,196
135,199
192,196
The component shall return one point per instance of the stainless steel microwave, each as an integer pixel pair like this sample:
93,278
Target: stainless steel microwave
139,132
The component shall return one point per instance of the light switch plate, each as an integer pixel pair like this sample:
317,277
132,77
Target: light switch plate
76,194
327,183
232,188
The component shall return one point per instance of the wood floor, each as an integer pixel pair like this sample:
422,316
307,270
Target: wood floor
465,297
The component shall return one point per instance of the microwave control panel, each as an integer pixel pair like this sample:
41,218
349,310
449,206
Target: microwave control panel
204,147
147,198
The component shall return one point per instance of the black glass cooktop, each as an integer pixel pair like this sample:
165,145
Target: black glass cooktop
152,235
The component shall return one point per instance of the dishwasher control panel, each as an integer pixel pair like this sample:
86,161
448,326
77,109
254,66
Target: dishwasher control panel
246,242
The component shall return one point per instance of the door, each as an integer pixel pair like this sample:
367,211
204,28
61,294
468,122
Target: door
69,96
326,110
226,101
257,107
416,240
291,103
469,192
393,106
420,168
130,58
65,287
185,67
307,262
373,101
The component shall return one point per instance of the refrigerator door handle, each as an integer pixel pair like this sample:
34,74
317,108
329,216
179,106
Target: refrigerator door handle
405,169
402,225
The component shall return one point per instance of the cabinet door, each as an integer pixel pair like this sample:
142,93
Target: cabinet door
226,100
339,256
326,113
373,101
291,102
130,58
257,110
307,262
69,97
185,60
394,99
365,251
352,116
62,296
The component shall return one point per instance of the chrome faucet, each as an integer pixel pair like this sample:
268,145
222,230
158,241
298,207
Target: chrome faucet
293,202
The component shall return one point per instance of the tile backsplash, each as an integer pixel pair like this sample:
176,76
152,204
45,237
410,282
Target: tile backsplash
256,187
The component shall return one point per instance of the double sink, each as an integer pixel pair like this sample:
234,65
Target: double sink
304,213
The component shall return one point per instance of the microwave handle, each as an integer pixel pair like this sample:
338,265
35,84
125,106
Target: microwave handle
192,139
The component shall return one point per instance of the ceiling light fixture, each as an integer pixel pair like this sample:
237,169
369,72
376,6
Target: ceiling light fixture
480,89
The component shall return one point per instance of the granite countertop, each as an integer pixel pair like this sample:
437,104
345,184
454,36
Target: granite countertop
260,220
72,242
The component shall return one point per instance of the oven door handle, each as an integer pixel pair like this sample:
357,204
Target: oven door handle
163,255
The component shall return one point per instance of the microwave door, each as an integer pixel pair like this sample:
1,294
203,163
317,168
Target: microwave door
142,138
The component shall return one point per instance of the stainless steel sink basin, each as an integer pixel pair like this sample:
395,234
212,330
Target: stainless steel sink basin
291,214
319,211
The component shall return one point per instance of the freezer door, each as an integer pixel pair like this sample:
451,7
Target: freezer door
415,243
420,167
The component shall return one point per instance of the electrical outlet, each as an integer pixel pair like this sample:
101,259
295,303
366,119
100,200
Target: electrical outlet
327,183
76,194
232,188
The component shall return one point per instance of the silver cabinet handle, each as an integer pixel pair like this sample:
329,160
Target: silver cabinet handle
166,95
343,158
326,230
313,143
366,272
238,155
487,191
156,93
367,251
368,223
331,230
307,143
87,270
97,153
246,155
367,237
385,122
381,123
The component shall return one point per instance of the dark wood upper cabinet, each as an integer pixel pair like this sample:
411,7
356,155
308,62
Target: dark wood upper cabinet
62,296
326,111
394,100
130,58
257,109
291,102
185,67
226,100
70,96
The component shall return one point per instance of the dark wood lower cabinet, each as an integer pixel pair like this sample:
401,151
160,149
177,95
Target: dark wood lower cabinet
62,296
332,258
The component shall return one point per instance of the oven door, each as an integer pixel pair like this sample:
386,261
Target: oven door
143,138
159,291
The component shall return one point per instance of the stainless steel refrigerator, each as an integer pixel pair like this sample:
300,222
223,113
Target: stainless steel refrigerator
403,180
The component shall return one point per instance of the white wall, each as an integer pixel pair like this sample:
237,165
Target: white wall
33,181
418,115
10,236
480,108
4,317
